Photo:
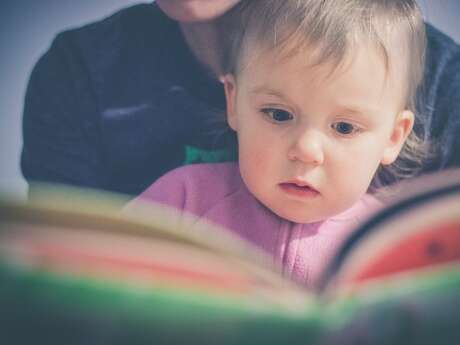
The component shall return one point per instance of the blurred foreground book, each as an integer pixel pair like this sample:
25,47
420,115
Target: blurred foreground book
75,270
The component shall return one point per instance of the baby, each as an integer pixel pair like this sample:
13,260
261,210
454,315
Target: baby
321,97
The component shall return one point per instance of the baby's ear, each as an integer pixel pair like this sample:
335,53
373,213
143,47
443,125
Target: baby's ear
230,95
401,130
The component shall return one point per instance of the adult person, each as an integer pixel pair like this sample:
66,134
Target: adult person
115,104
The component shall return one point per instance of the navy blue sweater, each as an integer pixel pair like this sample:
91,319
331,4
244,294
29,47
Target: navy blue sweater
112,105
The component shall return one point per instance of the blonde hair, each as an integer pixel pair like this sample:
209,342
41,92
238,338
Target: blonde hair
333,27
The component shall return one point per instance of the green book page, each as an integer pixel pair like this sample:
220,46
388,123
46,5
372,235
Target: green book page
173,314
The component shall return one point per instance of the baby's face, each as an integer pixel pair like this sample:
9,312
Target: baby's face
310,141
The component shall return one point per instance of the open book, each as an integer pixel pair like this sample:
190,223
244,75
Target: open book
75,270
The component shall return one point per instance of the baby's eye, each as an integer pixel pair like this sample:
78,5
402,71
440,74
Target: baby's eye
345,128
278,115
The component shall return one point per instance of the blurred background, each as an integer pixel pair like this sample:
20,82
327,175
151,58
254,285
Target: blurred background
27,28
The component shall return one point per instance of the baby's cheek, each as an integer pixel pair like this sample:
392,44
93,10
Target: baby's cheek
352,188
254,160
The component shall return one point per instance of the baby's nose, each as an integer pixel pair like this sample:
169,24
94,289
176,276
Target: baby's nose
307,147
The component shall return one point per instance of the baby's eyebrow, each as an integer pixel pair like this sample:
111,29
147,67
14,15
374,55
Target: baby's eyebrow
352,110
356,110
268,91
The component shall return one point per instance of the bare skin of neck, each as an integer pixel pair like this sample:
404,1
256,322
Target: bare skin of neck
202,39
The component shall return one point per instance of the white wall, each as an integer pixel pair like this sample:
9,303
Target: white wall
27,28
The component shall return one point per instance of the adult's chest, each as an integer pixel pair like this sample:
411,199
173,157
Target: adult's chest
144,131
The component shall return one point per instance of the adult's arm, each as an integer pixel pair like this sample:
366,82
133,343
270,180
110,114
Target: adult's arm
441,99
61,143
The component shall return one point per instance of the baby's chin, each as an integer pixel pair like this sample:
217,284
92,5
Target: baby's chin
302,217
308,214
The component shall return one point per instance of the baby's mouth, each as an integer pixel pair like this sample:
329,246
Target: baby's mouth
299,189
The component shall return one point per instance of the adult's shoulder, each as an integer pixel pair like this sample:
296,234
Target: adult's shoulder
439,42
143,21
109,56
440,101
441,56
131,31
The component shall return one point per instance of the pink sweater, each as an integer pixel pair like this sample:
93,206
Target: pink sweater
217,193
